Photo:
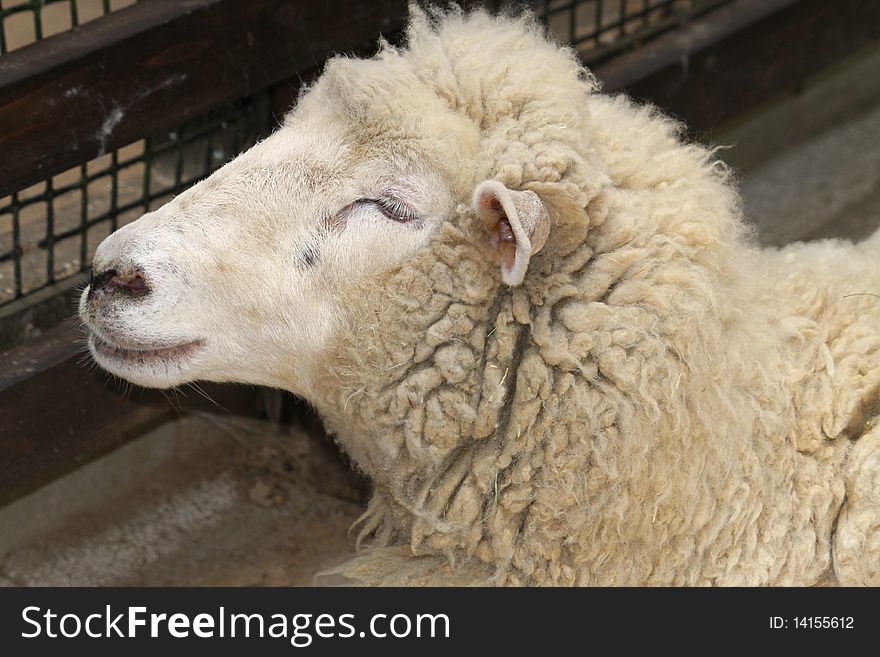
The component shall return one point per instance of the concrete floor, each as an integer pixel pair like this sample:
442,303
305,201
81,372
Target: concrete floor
809,164
220,500
205,500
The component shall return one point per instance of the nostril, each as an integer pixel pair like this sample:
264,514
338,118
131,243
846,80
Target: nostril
131,282
137,284
98,283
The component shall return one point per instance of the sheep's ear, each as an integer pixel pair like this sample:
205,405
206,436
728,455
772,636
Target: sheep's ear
518,225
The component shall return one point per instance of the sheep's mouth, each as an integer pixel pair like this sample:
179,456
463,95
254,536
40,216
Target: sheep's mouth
141,354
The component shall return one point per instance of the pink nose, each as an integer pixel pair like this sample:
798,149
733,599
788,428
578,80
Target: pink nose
131,282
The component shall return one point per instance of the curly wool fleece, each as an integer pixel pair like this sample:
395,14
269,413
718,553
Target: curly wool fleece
659,402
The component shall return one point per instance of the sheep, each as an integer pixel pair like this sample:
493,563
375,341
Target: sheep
532,315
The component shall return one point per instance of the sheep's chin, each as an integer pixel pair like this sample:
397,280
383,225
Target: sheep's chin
148,365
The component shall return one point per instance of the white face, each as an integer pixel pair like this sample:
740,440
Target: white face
242,277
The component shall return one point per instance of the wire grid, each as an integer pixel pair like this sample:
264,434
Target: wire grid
598,29
23,22
49,231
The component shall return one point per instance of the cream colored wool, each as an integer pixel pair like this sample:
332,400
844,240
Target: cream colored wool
659,402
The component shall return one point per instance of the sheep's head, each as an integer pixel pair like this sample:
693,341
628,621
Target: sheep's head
240,277
246,275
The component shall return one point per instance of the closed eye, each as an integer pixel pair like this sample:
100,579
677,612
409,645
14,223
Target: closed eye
392,208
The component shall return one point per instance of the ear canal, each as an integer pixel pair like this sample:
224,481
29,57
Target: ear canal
518,225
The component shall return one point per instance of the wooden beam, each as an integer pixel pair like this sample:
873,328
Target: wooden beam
741,55
72,97
57,413
36,312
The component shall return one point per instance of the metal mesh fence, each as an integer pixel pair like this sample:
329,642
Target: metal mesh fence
48,232
27,21
597,28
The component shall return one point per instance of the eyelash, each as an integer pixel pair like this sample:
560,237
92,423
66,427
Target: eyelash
391,208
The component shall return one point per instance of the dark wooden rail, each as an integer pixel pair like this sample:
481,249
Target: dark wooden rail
741,55
64,100
57,413
77,95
